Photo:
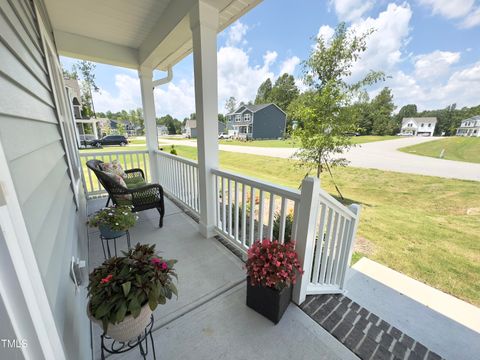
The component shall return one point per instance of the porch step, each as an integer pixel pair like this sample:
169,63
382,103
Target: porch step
363,332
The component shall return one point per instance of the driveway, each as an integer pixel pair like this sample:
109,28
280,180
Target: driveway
382,155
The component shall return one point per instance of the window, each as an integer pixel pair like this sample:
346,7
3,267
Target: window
247,117
422,125
238,118
429,125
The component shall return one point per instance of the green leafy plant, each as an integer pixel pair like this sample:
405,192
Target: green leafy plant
173,151
121,286
288,226
118,218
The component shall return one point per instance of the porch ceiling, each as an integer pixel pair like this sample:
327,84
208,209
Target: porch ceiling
154,33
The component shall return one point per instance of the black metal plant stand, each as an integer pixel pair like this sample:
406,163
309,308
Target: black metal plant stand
112,346
106,244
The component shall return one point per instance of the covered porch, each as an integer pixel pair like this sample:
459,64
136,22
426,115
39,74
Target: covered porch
210,319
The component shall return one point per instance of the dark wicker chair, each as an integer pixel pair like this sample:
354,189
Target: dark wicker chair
143,197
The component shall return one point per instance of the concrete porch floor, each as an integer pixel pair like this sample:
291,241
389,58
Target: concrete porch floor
210,319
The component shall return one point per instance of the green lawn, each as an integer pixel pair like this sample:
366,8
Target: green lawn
456,148
291,143
425,227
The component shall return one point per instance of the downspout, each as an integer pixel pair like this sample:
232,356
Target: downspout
164,80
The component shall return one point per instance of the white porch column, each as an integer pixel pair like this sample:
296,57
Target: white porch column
95,130
204,25
148,103
307,217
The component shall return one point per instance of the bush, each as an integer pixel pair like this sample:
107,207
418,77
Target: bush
288,226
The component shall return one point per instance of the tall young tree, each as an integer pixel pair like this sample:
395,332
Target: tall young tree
382,107
325,109
263,92
87,72
231,104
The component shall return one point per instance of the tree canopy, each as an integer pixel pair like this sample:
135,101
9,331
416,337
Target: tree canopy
325,108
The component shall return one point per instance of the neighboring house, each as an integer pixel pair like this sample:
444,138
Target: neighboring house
470,127
190,128
162,130
75,96
420,126
130,128
263,121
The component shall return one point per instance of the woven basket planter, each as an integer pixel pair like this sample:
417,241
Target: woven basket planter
130,328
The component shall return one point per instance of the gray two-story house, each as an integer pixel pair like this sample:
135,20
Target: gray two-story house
263,121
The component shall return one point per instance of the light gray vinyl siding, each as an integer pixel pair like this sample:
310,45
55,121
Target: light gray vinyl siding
31,137
269,123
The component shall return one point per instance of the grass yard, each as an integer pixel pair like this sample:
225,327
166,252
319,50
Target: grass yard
425,227
456,148
291,143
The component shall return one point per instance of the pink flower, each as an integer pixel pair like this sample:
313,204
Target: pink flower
156,261
106,279
164,266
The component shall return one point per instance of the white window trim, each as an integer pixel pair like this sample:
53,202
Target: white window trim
238,118
23,292
62,102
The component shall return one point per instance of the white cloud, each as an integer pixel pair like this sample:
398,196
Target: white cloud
464,10
236,34
384,46
351,10
461,87
449,8
288,66
435,65
128,97
237,77
326,32
472,19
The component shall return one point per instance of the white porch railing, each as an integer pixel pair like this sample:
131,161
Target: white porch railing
248,209
128,160
179,178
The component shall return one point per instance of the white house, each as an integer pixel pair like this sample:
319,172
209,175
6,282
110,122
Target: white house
470,127
418,126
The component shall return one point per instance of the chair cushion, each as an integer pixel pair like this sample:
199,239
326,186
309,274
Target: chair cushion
113,168
134,182
120,181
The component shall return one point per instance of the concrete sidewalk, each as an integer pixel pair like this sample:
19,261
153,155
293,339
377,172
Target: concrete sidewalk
443,323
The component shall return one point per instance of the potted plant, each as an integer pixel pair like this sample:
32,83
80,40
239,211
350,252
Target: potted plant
272,269
113,221
124,291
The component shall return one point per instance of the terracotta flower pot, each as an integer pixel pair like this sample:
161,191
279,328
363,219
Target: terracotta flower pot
267,301
128,329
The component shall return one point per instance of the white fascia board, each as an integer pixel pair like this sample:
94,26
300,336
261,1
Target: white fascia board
86,48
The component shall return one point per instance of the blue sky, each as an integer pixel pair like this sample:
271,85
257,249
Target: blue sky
428,48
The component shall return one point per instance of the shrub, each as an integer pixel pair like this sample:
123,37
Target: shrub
288,226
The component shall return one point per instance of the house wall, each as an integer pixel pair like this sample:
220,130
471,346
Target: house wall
7,333
269,123
34,135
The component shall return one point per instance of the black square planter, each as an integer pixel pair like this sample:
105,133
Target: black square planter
269,302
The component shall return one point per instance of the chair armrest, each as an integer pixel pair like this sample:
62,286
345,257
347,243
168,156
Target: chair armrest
146,194
135,173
